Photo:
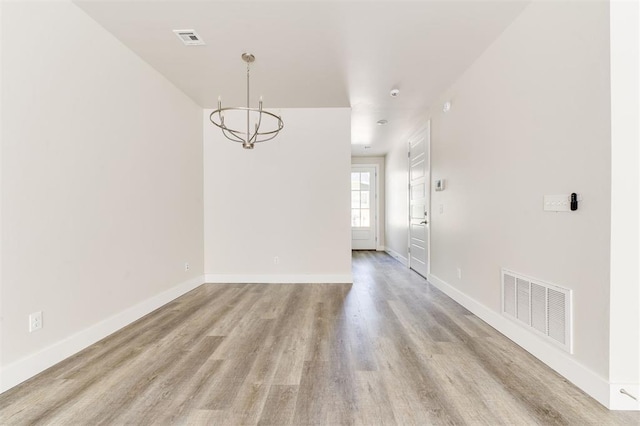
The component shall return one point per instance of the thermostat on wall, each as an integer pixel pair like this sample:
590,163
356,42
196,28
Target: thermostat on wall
440,185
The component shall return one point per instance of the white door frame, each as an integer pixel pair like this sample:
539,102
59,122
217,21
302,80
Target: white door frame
426,128
429,183
376,179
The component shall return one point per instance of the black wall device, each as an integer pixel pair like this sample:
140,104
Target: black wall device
574,201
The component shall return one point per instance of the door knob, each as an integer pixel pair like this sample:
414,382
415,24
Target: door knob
424,222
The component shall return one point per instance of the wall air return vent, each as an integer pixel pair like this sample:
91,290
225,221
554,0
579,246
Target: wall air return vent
542,308
189,37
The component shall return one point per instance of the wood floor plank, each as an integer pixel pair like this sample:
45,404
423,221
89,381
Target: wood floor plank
163,389
178,410
388,349
295,336
235,369
291,362
374,406
475,392
279,406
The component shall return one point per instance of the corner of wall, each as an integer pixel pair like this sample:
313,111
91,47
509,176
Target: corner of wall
27,367
397,256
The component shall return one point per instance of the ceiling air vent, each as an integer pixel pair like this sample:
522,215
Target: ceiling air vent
189,37
542,308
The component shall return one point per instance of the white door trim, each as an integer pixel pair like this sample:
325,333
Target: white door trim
409,204
428,194
426,128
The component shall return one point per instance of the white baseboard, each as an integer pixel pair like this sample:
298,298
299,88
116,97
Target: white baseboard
593,384
279,279
397,256
27,367
380,248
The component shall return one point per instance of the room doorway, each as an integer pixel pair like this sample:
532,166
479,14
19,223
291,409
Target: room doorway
419,197
364,217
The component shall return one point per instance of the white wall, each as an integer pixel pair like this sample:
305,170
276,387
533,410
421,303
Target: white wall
1,185
287,198
397,201
530,117
102,184
379,161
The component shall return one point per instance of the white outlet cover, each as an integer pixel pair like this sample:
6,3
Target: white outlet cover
35,321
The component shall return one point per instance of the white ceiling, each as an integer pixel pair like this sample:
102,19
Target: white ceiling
314,53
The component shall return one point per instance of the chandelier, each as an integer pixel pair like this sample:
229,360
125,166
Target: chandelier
254,132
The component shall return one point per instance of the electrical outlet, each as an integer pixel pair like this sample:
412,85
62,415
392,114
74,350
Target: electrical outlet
459,273
35,321
186,267
276,260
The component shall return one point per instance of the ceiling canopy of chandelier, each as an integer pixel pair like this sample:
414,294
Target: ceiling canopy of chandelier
255,132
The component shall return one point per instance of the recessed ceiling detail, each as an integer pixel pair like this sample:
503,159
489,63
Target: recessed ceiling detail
315,54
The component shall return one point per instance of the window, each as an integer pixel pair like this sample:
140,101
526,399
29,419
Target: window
360,200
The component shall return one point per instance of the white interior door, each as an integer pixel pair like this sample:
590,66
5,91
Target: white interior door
419,201
363,208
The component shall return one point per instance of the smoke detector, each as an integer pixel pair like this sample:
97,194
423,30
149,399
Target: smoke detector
394,93
189,37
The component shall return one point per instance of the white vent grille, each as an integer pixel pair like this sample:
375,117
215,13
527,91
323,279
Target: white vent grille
189,37
557,313
522,300
543,308
539,307
509,290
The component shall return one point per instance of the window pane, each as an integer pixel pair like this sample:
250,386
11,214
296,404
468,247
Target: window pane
355,218
355,181
364,221
364,199
355,199
364,180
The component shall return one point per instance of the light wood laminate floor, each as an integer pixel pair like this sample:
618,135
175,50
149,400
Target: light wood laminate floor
389,349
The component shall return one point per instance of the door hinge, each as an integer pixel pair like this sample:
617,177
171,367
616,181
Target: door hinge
409,154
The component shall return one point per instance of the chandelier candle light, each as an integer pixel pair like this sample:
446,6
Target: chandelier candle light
248,138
